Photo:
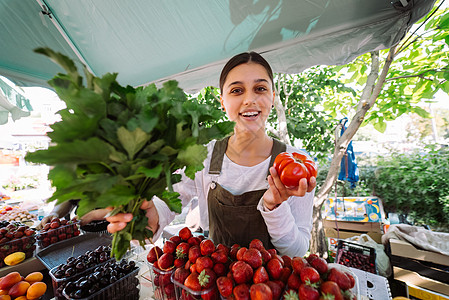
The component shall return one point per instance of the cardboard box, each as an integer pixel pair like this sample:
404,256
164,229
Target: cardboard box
332,237
415,292
356,209
413,278
423,268
405,249
362,227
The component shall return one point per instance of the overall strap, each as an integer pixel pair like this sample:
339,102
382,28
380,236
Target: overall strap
278,147
217,156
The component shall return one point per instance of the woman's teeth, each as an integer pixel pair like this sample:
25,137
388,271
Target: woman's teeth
250,114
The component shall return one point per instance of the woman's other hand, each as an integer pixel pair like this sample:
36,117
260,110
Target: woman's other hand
119,221
278,192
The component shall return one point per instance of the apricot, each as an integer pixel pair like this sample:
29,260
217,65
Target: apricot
10,280
21,298
36,290
19,289
34,277
5,297
4,292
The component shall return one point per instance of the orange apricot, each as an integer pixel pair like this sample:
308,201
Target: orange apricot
10,280
34,277
19,289
5,297
36,290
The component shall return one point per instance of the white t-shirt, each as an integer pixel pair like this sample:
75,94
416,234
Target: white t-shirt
289,225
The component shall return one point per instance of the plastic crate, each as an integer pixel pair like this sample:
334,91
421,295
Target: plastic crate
184,293
356,256
26,244
51,236
125,288
163,287
59,283
356,289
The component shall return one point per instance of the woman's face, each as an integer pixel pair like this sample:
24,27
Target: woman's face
247,96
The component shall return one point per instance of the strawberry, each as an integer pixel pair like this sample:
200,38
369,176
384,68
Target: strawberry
285,274
349,295
175,239
169,247
309,275
256,243
169,290
320,264
192,282
233,251
54,225
273,252
241,292
192,268
219,256
194,253
253,257
179,262
194,240
293,281
240,252
287,261
274,268
203,262
211,294
307,292
290,294
182,250
164,279
341,278
311,257
185,234
221,247
241,272
276,289
62,236
298,263
207,247
207,278
266,256
260,291
330,290
219,269
260,275
165,261
180,275
224,285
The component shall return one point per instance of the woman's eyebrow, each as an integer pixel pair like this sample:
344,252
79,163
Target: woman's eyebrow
240,82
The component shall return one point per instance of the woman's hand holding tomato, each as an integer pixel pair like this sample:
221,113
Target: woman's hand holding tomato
291,175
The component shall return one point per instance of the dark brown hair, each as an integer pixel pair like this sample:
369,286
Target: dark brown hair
244,58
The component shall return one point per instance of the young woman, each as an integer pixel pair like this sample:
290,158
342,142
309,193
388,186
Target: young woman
240,194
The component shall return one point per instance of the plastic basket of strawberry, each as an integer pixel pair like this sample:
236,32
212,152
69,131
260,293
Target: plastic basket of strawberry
16,237
356,256
57,230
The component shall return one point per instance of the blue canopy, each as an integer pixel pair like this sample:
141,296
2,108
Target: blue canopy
348,167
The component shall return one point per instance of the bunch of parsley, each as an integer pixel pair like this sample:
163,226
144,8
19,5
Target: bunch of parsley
116,146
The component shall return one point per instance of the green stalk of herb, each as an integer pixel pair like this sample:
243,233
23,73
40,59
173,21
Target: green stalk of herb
119,145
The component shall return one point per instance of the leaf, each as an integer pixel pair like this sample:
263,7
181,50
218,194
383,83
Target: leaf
172,200
132,141
92,150
116,196
380,126
151,173
64,61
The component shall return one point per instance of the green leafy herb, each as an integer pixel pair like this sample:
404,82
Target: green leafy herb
117,146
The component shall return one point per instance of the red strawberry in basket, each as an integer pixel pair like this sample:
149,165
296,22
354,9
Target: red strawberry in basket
225,285
260,291
260,275
166,261
256,243
182,250
219,269
221,247
185,234
203,262
241,292
253,257
293,281
207,279
341,278
175,239
169,247
219,256
309,275
307,292
192,282
241,272
240,252
180,275
331,290
194,240
299,263
207,247
266,256
274,268
154,254
276,289
320,264
211,294
194,253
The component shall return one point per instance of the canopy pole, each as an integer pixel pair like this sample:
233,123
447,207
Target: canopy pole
46,11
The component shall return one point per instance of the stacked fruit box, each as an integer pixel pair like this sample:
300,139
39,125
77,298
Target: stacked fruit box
202,270
356,256
16,237
57,230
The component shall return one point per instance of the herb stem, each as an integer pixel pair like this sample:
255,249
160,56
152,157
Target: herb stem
108,167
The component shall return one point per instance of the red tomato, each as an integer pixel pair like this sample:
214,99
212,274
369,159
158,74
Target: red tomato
292,167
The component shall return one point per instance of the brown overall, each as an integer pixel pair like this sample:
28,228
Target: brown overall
234,219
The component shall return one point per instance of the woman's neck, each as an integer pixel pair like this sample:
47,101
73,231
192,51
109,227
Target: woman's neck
249,148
